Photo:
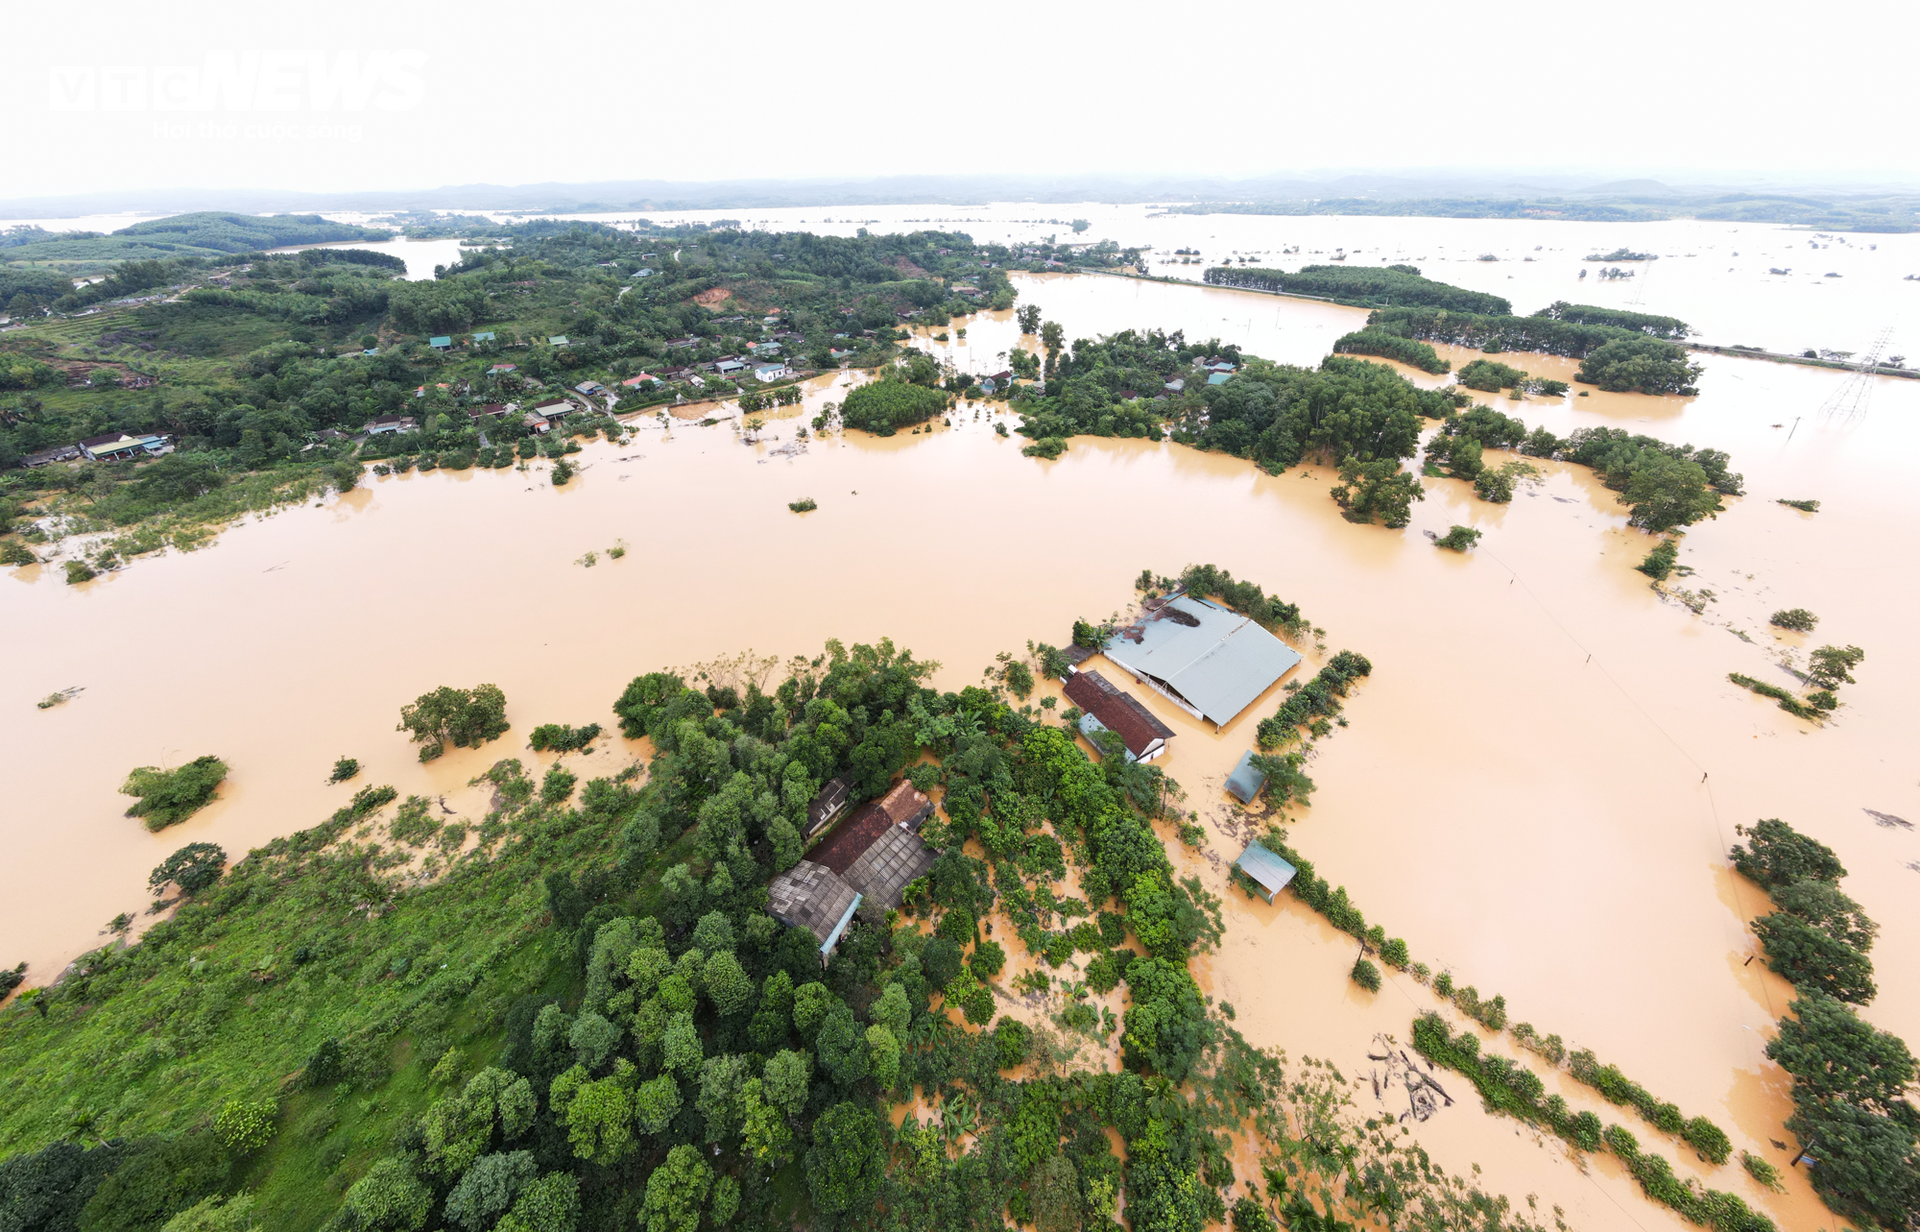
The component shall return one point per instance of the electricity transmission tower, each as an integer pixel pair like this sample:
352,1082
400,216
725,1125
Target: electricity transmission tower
1849,399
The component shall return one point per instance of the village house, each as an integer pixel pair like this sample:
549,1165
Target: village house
1208,660
772,371
550,413
385,425
441,342
728,367
558,340
479,338
590,387
118,446
502,369
863,865
633,382
492,410
1104,707
1268,872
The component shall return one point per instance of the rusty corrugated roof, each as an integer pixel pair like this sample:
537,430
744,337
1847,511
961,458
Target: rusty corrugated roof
1118,711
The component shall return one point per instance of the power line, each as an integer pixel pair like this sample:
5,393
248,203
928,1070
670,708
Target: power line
1850,399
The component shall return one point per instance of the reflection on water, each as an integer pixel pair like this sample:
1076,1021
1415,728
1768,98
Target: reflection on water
1537,790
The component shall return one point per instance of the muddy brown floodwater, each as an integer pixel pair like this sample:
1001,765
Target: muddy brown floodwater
1537,789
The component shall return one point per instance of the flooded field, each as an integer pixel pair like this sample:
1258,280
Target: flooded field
1537,788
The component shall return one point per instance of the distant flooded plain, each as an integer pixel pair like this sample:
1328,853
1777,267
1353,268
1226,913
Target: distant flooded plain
1537,788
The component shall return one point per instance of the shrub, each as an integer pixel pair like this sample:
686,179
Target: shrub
1659,563
1394,954
244,1126
560,737
1048,447
1762,1171
1799,619
1804,506
989,957
805,504
78,571
168,797
562,471
1708,1139
344,769
1366,975
1459,539
1011,1042
193,868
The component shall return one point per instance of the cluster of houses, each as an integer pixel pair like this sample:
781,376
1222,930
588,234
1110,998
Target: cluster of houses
862,867
1211,662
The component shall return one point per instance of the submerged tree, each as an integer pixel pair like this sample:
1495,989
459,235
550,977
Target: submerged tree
464,718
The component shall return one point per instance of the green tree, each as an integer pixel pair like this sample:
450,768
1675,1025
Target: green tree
1377,489
1052,336
842,1047
550,1204
1835,1055
1776,854
1832,666
846,1165
464,718
722,1080
193,868
677,1191
729,986
1028,315
764,1133
883,1056
1810,958
786,1078
168,797
1053,1192
1663,492
390,1198
216,1214
487,1190
656,1103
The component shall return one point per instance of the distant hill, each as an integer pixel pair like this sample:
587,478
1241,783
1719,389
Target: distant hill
204,234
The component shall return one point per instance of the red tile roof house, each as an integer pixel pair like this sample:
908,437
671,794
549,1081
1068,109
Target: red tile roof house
1108,708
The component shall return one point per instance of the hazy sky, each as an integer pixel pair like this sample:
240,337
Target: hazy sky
356,95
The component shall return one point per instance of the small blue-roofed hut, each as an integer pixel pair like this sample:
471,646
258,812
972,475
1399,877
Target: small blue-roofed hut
1269,872
1247,779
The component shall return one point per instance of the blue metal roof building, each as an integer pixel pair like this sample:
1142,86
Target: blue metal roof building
1268,871
1212,661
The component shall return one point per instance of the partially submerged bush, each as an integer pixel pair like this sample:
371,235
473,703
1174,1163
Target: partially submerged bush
1799,619
464,718
1660,562
1366,975
193,868
169,797
805,504
1459,539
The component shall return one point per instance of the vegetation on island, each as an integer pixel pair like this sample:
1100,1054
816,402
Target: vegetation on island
168,797
1804,506
37,265
265,372
1868,211
1828,668
1362,287
1853,1110
463,718
1618,352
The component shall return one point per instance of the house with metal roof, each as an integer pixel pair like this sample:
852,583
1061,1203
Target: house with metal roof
814,897
1267,871
882,871
828,806
117,446
441,342
1211,661
486,337
558,340
381,425
771,371
1247,779
1106,707
1220,378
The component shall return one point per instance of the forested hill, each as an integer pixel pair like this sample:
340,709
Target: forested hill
183,235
